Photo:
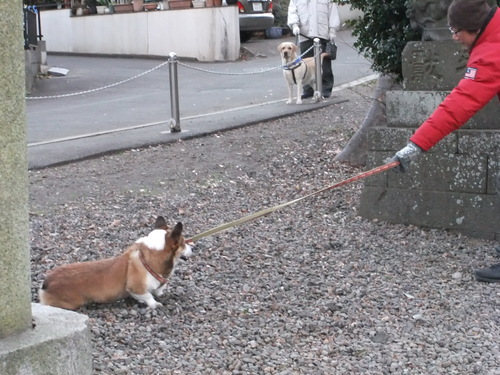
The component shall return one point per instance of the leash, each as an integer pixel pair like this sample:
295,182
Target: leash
266,211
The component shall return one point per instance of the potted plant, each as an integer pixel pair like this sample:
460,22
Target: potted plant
123,6
179,4
101,6
138,5
150,5
199,3
92,6
77,8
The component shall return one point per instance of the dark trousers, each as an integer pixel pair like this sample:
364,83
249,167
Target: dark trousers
326,68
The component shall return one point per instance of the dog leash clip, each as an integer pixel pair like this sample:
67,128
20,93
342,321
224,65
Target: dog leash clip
294,64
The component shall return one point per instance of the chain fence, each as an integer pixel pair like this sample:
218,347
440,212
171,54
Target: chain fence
99,88
261,71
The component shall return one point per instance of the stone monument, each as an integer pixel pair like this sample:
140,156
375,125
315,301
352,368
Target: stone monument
451,186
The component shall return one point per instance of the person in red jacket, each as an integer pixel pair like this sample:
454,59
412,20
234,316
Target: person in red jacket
476,25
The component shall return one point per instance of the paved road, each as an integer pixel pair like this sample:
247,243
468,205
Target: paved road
213,97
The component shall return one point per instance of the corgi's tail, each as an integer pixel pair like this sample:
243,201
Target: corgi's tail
41,296
42,293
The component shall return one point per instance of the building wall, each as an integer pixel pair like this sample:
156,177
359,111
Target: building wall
205,34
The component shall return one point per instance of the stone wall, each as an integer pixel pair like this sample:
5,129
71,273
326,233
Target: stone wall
452,185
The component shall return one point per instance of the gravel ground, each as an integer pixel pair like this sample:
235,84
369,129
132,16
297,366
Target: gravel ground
310,289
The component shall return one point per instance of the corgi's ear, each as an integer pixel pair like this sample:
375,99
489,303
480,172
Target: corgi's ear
160,223
176,232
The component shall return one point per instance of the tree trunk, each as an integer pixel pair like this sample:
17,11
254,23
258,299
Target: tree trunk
356,150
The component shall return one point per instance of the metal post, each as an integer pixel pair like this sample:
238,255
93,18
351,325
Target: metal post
40,35
175,122
317,59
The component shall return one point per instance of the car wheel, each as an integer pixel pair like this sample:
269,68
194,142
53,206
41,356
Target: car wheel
245,36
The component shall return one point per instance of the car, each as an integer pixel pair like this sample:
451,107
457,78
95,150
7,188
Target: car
254,15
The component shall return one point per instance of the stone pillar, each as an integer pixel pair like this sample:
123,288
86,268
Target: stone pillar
34,339
15,292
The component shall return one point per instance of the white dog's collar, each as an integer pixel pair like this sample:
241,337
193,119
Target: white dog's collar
293,65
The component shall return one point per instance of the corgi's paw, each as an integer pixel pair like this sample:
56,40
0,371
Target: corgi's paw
155,305
159,292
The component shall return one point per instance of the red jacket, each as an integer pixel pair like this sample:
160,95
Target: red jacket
479,85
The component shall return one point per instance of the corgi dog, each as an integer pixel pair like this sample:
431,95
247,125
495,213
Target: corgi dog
141,272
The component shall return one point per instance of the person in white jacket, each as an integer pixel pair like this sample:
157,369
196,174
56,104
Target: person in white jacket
309,19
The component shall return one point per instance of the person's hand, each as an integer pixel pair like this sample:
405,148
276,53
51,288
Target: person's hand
332,36
405,156
296,30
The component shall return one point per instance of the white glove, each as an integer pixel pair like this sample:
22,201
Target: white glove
296,30
405,156
332,34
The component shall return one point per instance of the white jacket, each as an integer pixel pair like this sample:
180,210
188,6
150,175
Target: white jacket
315,18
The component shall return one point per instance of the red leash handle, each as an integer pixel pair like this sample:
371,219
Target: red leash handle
363,175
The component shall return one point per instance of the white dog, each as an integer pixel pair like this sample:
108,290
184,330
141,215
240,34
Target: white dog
297,71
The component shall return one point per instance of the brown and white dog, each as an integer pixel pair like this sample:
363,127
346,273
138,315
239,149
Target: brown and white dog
141,272
297,71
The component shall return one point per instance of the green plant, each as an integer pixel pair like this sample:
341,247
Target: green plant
382,33
280,12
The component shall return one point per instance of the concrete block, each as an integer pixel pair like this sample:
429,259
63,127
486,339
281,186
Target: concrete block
484,141
59,344
471,214
493,176
388,139
412,108
445,173
393,139
437,171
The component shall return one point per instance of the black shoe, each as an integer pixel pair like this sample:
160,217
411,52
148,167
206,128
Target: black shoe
326,94
306,95
489,275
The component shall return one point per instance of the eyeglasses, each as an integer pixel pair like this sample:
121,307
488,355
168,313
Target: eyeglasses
453,31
